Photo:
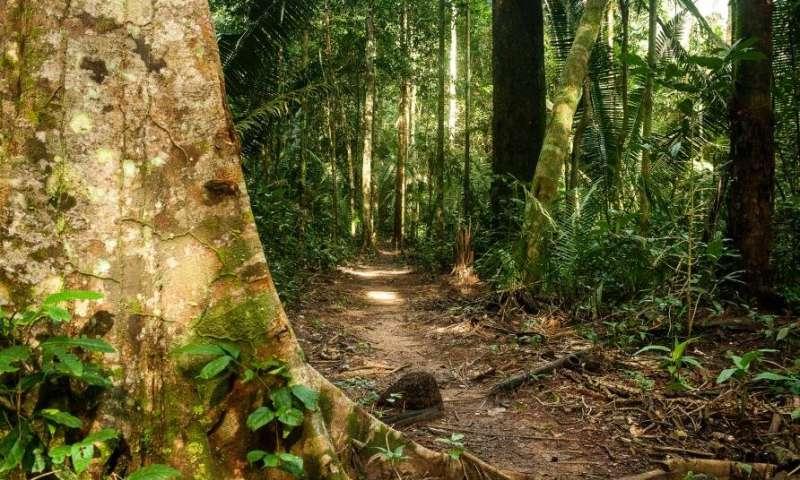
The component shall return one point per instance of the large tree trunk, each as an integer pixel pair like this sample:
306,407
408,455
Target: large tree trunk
555,151
467,194
520,91
367,220
120,173
752,178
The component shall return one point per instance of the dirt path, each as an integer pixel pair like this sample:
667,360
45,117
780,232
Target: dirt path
367,323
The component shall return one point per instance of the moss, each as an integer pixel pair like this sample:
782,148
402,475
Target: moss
238,321
234,256
326,407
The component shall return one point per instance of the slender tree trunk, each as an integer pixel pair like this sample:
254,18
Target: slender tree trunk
402,138
351,179
577,144
438,176
520,91
467,208
305,207
555,151
452,78
367,225
329,114
647,113
752,166
624,9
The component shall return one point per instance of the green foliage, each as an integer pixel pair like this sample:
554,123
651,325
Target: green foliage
674,361
286,404
34,429
155,472
741,365
455,445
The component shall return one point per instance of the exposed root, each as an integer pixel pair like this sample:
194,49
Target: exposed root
676,469
360,441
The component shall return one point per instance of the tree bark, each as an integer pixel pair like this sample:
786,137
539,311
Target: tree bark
438,173
367,225
452,77
467,112
752,166
402,138
120,173
647,114
520,91
555,151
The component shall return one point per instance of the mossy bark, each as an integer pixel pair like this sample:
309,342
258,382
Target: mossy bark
120,173
555,151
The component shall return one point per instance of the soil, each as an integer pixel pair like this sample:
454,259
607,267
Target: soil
367,323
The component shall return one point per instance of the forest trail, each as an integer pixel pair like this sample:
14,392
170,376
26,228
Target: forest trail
367,323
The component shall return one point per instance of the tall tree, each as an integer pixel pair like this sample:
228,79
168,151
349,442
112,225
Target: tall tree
368,129
647,114
403,125
519,114
555,151
466,207
752,165
452,76
157,219
438,167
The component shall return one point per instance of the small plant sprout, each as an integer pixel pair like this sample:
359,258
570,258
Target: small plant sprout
741,365
455,444
674,361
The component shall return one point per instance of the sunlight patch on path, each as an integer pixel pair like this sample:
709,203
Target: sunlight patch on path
384,297
374,273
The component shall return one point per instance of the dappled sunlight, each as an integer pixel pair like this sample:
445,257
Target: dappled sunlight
374,273
384,297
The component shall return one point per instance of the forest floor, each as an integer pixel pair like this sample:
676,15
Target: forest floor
369,322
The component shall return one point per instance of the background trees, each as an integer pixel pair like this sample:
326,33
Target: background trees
647,162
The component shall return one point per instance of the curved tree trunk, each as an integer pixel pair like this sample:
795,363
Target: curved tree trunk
555,151
120,173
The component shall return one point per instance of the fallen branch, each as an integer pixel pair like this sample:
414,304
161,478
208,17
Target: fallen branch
518,380
677,469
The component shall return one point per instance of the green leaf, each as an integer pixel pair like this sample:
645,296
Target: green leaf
770,377
103,435
231,349
13,354
56,313
281,398
291,416
307,396
782,333
59,454
155,472
62,418
70,295
650,348
200,349
726,375
81,456
254,456
796,414
215,367
291,464
260,417
88,344
13,447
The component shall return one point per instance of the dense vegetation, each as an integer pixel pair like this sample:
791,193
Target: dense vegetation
642,221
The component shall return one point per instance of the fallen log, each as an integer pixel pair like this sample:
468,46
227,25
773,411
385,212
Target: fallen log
517,381
678,468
